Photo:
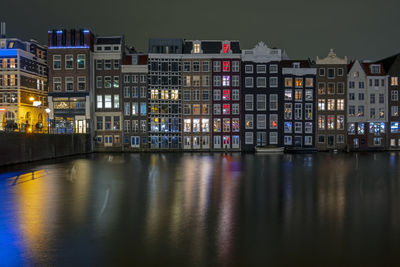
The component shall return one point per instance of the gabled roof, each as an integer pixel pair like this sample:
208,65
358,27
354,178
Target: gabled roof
388,62
367,69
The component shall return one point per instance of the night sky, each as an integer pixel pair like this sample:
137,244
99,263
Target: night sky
362,29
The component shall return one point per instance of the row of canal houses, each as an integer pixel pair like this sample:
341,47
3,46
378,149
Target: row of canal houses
207,95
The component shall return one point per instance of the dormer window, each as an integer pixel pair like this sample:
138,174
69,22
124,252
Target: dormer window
356,74
296,65
196,48
375,68
226,49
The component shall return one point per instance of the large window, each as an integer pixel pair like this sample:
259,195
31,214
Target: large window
57,84
56,62
331,104
81,83
273,121
340,122
261,82
226,66
205,125
298,111
107,82
217,66
261,121
69,83
217,125
187,125
273,102
107,101
331,122
308,111
288,111
261,102
69,62
81,61
116,101
249,121
248,102
99,101
321,104
226,125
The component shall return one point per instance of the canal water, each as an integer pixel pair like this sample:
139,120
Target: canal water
202,210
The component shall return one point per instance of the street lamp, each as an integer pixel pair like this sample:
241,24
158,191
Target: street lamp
48,119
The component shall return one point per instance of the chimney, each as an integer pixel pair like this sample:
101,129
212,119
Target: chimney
2,30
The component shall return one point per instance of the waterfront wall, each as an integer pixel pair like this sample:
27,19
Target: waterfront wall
20,147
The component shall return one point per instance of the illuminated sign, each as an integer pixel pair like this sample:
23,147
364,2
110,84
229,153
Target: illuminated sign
37,103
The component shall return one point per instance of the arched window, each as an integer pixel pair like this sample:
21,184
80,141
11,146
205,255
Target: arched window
40,118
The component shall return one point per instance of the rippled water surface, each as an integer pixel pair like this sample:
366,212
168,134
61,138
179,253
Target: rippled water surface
202,210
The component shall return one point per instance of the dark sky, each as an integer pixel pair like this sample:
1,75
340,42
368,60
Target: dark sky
363,29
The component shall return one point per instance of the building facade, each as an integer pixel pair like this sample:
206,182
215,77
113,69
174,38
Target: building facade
226,86
23,85
165,106
107,61
261,97
70,86
298,104
391,67
134,102
366,106
331,98
196,96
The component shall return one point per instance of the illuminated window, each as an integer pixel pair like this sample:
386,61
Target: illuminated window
196,125
308,111
340,122
205,109
99,101
226,125
299,82
217,125
226,66
298,95
288,111
273,121
154,94
331,104
225,80
321,122
288,82
321,89
321,104
187,125
226,95
196,109
81,61
205,125
186,81
226,48
394,81
288,127
249,121
226,109
309,82
135,108
235,125
288,95
196,48
164,94
107,101
331,122
340,104
196,81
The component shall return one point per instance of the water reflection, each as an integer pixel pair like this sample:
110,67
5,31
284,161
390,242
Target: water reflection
202,210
